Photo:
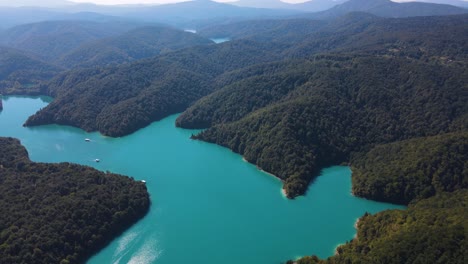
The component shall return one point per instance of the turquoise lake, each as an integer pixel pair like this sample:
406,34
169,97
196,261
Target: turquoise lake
220,40
208,205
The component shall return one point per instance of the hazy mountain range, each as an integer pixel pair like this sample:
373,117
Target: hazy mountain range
387,8
308,6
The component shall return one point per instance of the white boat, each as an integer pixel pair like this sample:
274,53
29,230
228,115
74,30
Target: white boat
143,181
87,140
97,160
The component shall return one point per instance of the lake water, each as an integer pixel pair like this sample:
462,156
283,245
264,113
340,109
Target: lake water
220,40
208,205
215,40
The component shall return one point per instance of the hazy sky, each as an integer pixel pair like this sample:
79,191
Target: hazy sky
112,2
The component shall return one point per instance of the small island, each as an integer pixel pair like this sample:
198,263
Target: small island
61,213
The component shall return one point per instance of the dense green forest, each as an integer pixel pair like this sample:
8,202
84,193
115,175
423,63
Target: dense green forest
21,73
388,8
382,80
287,30
71,44
61,213
413,169
363,32
143,42
294,122
430,231
387,95
425,39
120,100
83,96
439,39
52,39
24,70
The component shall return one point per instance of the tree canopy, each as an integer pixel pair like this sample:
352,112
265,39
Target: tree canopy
61,213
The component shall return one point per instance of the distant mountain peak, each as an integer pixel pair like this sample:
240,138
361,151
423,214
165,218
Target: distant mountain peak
387,8
308,6
367,3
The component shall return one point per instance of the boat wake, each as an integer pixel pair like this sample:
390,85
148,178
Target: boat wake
147,251
124,246
147,254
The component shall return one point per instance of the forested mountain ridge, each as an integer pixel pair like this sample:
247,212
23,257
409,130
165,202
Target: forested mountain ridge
388,8
293,123
287,30
429,231
421,38
23,72
413,169
61,213
20,73
139,93
52,39
139,43
438,39
77,90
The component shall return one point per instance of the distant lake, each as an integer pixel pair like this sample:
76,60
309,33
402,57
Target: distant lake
208,205
220,40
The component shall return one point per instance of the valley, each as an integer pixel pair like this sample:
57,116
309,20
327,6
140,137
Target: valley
233,130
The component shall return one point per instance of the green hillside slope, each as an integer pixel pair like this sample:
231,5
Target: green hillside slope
61,213
143,42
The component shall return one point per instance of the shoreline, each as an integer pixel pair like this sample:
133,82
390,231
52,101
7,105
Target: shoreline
356,227
356,223
283,191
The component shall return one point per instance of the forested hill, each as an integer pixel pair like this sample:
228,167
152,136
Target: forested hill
20,73
100,99
403,171
430,231
61,213
52,39
419,38
388,8
136,44
120,100
287,30
48,44
296,121
416,37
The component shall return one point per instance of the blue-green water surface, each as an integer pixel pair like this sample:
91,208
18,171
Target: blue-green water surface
208,205
220,40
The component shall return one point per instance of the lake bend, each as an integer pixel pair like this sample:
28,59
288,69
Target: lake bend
208,205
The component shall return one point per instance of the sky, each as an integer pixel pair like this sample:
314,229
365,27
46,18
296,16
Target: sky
113,2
